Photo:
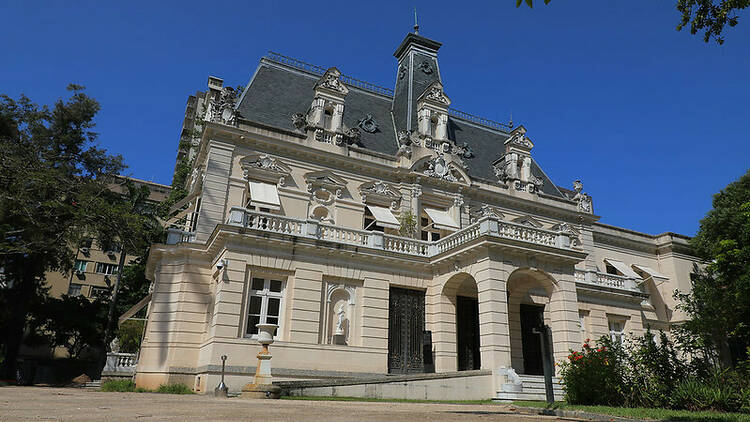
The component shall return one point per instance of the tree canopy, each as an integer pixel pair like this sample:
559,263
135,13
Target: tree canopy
719,303
709,16
54,192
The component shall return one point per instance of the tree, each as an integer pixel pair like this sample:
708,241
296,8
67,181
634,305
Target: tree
719,303
53,184
73,322
711,16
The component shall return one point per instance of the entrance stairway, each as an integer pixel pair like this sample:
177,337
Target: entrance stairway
529,387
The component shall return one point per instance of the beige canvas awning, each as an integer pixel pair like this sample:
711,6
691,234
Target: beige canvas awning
384,217
650,271
441,219
134,309
621,267
264,195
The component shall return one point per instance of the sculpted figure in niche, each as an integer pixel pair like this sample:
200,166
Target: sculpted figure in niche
340,319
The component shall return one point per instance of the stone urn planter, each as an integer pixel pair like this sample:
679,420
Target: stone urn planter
262,386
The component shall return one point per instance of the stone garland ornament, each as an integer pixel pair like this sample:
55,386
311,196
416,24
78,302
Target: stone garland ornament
402,71
368,124
464,151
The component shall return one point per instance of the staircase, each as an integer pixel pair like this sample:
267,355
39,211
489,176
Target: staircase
528,387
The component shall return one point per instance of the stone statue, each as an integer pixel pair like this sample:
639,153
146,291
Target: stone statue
341,317
114,345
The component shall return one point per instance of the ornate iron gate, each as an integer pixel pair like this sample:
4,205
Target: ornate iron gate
405,329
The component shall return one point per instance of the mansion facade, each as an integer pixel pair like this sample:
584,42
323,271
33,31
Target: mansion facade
383,231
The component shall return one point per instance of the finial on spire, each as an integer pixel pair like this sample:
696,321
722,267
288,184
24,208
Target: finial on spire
416,25
510,123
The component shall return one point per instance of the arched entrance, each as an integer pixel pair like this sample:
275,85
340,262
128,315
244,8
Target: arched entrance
529,297
461,289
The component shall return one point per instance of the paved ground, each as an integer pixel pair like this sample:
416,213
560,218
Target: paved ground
70,404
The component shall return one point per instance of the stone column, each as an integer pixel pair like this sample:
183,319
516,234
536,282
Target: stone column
338,115
441,132
563,315
494,335
440,318
316,111
424,122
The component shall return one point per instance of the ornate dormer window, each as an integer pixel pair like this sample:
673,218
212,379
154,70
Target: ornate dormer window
264,174
432,113
514,167
380,200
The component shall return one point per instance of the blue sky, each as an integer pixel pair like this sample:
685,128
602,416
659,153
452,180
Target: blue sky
653,121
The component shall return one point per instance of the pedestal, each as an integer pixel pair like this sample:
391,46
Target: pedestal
262,387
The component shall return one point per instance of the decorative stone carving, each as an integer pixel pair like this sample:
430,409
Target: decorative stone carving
325,179
438,167
264,167
435,93
458,200
380,193
354,135
464,151
221,107
402,70
332,80
368,124
582,198
417,192
425,67
299,121
404,137
486,211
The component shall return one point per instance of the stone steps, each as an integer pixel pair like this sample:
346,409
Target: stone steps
531,388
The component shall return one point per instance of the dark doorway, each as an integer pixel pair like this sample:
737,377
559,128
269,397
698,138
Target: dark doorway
405,329
532,316
467,333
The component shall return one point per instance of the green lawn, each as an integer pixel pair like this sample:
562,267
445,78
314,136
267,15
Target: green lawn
643,413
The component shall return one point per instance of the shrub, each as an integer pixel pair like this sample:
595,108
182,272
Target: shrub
174,389
594,375
118,386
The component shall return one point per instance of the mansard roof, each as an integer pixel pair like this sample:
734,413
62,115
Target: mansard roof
282,87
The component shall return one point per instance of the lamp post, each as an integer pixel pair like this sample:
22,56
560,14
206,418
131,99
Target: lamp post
262,386
221,390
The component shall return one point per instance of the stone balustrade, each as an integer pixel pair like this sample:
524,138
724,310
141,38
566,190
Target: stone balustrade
487,226
120,363
608,280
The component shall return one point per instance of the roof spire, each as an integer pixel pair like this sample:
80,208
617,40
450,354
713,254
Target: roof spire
416,25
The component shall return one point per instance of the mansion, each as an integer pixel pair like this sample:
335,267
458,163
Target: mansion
384,232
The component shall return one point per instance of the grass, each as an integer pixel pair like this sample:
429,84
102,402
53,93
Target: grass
645,413
128,386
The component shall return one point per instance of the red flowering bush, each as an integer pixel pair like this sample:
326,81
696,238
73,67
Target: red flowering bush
594,375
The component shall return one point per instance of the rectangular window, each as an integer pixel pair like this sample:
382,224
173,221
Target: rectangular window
107,269
74,289
616,329
80,266
264,303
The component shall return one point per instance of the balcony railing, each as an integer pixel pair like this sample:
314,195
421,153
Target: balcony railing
607,280
175,236
312,229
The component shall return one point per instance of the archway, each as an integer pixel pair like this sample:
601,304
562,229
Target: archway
530,293
461,290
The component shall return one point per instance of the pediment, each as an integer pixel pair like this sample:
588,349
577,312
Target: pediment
434,94
326,179
379,192
528,220
331,81
264,167
487,211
